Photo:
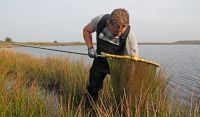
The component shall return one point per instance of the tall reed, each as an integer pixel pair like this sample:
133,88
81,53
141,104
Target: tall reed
55,86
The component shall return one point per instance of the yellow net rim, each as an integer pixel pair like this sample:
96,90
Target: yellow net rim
130,57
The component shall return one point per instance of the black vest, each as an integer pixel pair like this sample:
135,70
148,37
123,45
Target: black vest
104,46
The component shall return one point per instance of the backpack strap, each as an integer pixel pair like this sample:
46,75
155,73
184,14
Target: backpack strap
102,23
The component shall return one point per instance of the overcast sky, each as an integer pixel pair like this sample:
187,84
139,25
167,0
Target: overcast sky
63,20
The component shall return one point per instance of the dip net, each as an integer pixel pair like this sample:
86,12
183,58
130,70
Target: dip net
130,76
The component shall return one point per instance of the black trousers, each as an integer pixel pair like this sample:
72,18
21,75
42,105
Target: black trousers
98,71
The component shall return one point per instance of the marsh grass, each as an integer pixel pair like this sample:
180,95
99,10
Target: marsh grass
4,44
55,86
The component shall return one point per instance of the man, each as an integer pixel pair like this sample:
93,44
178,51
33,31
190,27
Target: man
113,36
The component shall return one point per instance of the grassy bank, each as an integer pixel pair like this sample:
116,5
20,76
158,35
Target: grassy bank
4,44
55,86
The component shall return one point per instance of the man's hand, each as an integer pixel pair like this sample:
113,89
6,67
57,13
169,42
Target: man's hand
92,53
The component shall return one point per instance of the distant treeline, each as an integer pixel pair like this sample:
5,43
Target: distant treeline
4,44
55,44
188,42
183,42
9,44
140,43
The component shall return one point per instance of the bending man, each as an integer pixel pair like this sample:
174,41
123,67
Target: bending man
113,36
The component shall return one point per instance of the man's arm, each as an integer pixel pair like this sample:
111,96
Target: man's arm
89,29
87,35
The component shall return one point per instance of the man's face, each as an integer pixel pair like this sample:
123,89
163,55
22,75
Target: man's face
117,28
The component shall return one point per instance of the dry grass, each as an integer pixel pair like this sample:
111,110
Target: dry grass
55,86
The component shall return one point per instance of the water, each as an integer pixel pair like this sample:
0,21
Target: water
181,63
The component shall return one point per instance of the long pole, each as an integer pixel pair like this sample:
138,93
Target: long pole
24,45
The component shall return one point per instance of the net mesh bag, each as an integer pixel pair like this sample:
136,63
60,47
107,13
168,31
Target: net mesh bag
130,76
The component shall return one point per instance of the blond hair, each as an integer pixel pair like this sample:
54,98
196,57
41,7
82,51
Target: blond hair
120,15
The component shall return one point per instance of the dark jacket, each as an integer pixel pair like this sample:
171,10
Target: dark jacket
104,46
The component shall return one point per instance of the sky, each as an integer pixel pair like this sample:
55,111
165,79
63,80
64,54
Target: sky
63,20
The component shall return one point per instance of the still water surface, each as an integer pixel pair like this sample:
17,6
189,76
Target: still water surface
181,63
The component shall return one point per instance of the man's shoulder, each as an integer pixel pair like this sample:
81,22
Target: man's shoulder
96,20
